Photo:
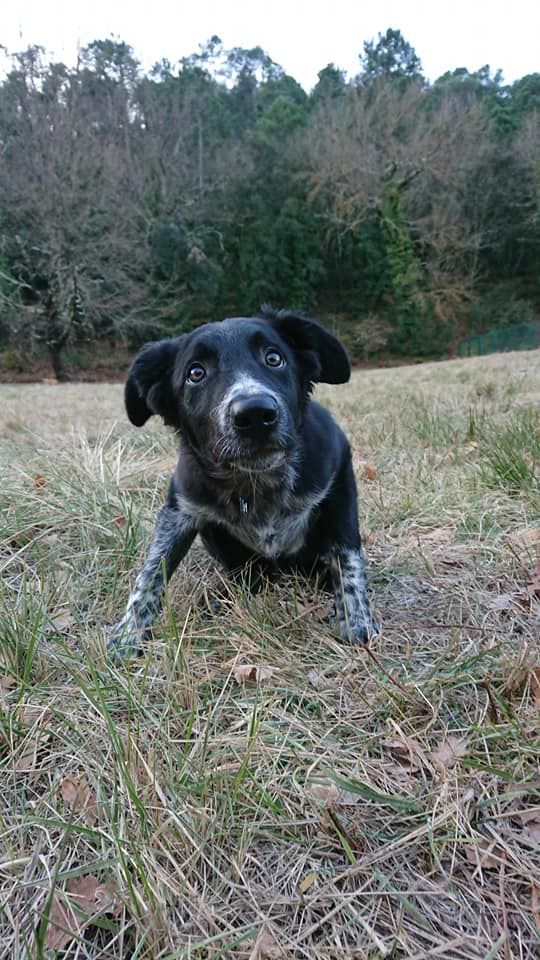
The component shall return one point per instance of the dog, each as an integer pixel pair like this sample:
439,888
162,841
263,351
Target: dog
264,474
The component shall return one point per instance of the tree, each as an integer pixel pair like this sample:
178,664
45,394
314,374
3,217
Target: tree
68,231
390,58
156,201
380,159
330,84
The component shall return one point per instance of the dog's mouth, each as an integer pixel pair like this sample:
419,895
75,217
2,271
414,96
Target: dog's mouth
258,462
248,456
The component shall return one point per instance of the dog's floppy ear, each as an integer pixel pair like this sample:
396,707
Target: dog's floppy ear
331,363
148,387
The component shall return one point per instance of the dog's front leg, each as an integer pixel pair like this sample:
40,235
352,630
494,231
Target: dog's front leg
345,560
356,620
173,535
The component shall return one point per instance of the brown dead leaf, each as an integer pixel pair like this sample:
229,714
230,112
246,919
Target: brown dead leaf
535,685
437,536
79,797
525,537
7,682
369,472
450,751
39,481
62,926
484,854
85,899
324,791
266,948
26,756
531,822
120,521
406,751
308,882
33,713
316,679
533,587
515,681
62,621
505,601
318,611
535,905
257,673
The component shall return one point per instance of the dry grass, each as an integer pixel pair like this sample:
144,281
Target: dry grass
340,807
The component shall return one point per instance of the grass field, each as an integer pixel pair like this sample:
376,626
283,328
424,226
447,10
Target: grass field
330,805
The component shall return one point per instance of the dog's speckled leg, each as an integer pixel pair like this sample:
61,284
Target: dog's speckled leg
356,621
173,536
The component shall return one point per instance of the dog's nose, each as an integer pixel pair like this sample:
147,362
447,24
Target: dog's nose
254,415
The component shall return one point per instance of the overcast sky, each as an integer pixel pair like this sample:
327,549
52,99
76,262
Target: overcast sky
302,35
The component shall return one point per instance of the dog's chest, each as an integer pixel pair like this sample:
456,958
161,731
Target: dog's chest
271,530
276,533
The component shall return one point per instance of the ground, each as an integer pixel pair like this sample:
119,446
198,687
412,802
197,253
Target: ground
253,788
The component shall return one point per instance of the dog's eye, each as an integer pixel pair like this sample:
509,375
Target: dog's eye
273,359
196,373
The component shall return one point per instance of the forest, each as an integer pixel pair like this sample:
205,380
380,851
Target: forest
136,204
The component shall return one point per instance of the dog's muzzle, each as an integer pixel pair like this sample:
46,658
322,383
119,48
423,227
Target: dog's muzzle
255,416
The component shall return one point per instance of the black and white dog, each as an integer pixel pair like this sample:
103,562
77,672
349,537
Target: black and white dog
264,475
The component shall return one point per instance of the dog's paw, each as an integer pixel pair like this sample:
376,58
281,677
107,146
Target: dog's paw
367,631
361,632
125,641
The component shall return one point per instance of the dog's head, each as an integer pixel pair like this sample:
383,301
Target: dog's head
236,389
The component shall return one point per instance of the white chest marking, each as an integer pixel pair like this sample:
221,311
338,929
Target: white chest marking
281,531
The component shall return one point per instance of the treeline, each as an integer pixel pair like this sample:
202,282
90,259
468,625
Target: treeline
133,205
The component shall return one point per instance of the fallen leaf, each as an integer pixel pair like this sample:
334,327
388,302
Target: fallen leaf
531,822
535,905
492,705
26,756
39,481
62,621
369,472
266,948
33,713
316,679
250,671
7,682
450,751
526,537
79,796
535,685
308,882
533,587
324,791
515,681
439,535
84,899
505,601
406,751
481,855
62,925
23,537
315,611
119,521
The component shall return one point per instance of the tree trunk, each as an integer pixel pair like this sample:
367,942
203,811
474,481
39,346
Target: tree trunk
56,340
200,154
55,353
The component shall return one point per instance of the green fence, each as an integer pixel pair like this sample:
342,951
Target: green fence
520,336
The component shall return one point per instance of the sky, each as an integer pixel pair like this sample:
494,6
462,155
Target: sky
301,35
